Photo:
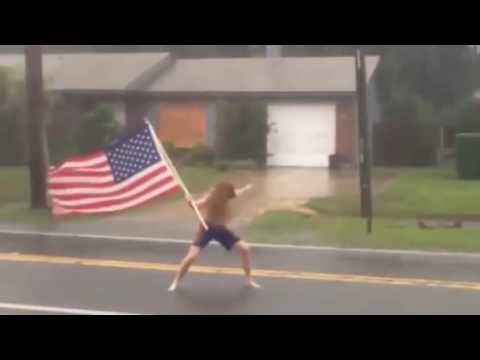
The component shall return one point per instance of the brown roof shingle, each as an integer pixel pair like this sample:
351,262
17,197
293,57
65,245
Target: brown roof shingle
253,75
94,72
107,72
159,73
16,62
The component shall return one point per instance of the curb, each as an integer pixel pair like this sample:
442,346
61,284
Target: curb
52,235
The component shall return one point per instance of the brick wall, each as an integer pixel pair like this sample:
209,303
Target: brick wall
346,129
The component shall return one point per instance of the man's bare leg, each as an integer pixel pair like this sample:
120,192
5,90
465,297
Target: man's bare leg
192,255
245,255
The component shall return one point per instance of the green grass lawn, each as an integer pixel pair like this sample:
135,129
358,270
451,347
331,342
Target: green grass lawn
15,194
293,228
14,185
414,193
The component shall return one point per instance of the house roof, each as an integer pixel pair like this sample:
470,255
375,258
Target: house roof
108,72
265,75
160,74
94,72
17,63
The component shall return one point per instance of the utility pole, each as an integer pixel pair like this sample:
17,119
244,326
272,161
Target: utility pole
365,164
38,158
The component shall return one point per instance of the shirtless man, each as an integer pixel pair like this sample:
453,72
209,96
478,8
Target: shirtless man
217,215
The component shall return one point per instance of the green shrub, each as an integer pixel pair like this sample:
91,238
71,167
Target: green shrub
404,107
200,155
96,129
409,136
468,156
248,165
242,131
170,148
466,117
10,138
12,131
61,142
4,85
174,152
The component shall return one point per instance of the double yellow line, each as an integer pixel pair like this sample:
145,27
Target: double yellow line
272,274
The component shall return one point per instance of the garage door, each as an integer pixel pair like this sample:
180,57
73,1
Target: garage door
302,135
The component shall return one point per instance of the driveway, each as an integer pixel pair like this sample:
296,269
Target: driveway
291,188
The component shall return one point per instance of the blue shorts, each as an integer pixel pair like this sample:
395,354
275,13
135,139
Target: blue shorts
220,233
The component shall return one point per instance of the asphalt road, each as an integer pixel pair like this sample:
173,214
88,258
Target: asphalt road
41,275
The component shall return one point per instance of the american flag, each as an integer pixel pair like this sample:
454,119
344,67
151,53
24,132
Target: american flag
129,173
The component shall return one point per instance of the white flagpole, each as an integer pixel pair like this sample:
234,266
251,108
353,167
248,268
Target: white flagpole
163,153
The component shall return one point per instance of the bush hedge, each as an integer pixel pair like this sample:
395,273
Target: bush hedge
468,156
200,155
12,132
242,131
465,117
96,129
11,143
408,136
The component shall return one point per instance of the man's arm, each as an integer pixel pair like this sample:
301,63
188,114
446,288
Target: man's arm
241,191
200,202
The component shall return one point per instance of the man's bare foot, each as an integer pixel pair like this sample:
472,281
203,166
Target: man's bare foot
252,284
173,287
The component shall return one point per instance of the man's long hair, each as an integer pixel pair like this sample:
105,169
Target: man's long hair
218,202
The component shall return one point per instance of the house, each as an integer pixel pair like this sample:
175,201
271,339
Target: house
311,101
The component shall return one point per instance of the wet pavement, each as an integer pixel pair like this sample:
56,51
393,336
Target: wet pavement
144,293
138,286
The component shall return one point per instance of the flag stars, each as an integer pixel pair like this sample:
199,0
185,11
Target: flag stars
132,156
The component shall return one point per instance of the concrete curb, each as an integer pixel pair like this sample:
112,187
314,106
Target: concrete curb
54,235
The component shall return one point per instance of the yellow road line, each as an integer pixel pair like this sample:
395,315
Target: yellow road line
273,274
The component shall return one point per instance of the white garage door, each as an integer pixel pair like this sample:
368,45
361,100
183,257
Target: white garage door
302,135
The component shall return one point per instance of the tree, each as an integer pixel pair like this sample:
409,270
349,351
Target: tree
443,75
96,129
12,141
452,74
